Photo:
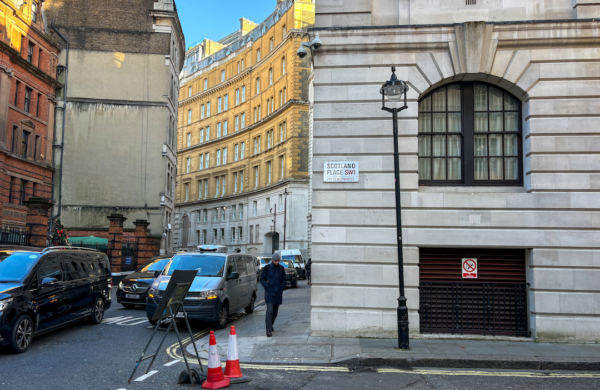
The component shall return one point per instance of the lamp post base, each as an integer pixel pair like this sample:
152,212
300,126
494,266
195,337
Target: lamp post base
403,340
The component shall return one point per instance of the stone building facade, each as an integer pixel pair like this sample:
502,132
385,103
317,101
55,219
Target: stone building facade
28,58
119,153
243,136
499,162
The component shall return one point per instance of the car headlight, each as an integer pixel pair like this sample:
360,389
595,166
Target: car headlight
5,303
209,294
120,285
152,292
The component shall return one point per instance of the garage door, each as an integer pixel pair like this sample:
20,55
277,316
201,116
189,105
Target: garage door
493,303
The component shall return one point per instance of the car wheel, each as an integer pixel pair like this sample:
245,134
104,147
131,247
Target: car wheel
21,334
250,308
223,317
295,283
97,312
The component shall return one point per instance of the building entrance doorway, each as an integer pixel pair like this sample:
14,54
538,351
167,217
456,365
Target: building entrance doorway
489,301
271,242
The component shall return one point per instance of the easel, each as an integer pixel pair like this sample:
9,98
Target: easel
170,304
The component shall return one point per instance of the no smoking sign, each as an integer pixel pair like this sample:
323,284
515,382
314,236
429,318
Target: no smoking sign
469,268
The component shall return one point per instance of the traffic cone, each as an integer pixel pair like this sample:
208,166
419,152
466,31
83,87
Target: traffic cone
232,369
215,378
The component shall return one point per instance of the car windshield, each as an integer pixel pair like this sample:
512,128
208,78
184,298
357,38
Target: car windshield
290,258
264,261
286,264
206,265
156,265
14,266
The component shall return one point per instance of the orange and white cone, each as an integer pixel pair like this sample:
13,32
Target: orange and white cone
232,369
215,378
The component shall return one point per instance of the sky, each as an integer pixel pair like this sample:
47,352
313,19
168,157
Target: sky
215,19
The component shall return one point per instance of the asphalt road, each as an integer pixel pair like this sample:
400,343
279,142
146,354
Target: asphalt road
84,356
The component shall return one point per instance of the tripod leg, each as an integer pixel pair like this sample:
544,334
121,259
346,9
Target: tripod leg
160,345
145,349
192,337
180,343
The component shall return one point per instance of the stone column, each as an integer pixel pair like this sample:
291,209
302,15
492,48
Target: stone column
115,241
37,220
145,245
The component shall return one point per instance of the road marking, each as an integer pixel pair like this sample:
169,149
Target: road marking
173,362
125,320
519,374
143,377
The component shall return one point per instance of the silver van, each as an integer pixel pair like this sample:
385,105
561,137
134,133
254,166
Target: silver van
225,283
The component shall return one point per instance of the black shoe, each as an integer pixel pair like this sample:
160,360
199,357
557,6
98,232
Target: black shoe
269,334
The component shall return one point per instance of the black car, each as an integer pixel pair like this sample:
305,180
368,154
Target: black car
133,290
44,289
291,274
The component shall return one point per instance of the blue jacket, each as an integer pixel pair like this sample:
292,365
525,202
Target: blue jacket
272,278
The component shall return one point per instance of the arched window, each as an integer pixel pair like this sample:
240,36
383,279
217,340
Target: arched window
470,134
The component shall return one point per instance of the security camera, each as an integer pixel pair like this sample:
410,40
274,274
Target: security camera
302,52
316,43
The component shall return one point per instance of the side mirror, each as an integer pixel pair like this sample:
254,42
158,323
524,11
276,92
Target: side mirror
234,275
49,282
157,273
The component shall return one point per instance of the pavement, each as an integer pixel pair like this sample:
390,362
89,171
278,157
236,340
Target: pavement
292,344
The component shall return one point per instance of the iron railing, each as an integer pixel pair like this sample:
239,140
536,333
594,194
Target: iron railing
474,308
14,236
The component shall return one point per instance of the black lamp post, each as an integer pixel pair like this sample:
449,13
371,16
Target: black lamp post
393,90
285,193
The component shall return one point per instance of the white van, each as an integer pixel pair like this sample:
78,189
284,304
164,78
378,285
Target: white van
295,256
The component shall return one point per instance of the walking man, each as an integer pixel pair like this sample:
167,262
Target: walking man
308,267
272,278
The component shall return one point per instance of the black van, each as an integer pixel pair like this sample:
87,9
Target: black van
44,289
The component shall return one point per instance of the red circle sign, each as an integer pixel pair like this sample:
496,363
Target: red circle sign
469,266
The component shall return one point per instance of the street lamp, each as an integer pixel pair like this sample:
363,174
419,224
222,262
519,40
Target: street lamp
393,90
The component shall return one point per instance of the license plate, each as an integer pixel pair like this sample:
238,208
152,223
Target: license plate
179,315
132,296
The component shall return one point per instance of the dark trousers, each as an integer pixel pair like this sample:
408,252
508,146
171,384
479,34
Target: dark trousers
272,311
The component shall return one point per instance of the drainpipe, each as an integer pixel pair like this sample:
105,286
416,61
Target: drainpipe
62,139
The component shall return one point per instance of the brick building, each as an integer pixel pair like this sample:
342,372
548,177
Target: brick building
243,136
120,108
28,58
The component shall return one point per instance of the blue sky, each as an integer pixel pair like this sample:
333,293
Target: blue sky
214,19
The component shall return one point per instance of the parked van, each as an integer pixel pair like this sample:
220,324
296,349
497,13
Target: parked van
225,283
42,290
295,256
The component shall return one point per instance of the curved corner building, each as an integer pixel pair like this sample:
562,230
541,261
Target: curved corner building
243,137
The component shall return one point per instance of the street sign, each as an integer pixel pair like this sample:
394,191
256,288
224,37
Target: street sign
128,259
469,268
340,171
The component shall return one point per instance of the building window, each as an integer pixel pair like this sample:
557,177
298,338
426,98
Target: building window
24,144
270,140
34,11
256,145
282,131
268,204
27,98
235,152
282,165
205,215
214,237
219,157
222,76
259,113
222,236
189,139
233,235
205,84
37,107
202,112
30,49
199,182
201,162
271,76
470,134
218,130
283,32
251,236
240,230
188,163
36,147
271,44
204,238
254,208
224,128
243,120
236,123
257,85
219,100
22,188
258,55
226,103
242,64
237,96
269,169
208,109
243,152
241,211
224,156
238,67
15,139
235,184
217,182
284,95
216,215
201,135
207,133
187,192
189,117
189,91
243,93
283,66
256,177
241,181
